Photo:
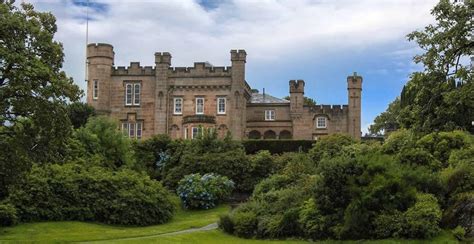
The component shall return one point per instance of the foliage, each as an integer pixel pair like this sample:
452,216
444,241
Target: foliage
76,192
388,120
277,146
79,113
204,192
8,215
33,92
151,154
459,232
329,146
100,138
440,97
423,218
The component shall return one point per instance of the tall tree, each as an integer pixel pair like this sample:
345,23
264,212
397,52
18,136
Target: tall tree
441,96
33,91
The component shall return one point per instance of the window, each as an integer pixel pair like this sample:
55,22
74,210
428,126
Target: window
132,94
200,105
185,132
136,94
95,90
196,131
221,101
321,122
269,114
132,129
178,105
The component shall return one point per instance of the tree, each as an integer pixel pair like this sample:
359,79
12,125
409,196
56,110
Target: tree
78,113
388,120
440,97
33,91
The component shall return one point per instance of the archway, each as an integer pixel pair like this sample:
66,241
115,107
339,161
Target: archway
269,134
284,134
255,134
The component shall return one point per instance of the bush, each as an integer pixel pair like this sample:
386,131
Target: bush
8,215
226,224
151,154
329,146
75,192
245,223
204,192
422,219
277,146
389,225
459,233
311,220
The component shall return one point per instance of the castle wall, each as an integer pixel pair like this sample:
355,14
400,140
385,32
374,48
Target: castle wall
162,83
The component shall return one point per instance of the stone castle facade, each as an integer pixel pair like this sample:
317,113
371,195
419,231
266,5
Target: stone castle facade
180,101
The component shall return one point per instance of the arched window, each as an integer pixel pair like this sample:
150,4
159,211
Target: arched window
284,134
254,134
269,134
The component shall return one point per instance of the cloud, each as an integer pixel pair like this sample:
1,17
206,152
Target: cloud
271,31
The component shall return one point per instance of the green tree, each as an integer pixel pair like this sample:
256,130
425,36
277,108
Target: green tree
79,112
33,91
440,97
388,120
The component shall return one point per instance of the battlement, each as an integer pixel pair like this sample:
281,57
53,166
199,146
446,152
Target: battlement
296,86
238,55
163,58
133,69
330,109
200,69
101,50
354,81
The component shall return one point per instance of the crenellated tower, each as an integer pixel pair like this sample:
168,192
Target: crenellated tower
296,97
162,91
239,100
100,61
354,91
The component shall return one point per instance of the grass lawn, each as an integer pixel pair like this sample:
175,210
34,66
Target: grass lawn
81,231
68,231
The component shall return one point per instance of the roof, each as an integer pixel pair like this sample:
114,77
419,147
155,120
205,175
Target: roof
260,98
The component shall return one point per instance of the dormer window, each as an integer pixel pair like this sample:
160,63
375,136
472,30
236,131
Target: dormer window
321,122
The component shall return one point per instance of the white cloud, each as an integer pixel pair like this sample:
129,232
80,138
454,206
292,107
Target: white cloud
267,29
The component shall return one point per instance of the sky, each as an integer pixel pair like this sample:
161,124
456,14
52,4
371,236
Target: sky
319,41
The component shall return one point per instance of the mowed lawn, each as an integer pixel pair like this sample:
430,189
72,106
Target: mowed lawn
72,231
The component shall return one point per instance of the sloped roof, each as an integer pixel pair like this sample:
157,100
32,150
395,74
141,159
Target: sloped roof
260,98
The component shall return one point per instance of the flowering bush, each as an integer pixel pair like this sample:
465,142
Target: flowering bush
204,192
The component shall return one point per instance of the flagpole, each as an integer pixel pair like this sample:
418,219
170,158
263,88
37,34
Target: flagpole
87,41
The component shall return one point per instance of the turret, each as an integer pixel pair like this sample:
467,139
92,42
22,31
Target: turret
100,61
161,118
354,91
296,96
238,101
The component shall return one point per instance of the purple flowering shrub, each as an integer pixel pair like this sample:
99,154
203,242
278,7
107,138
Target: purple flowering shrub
204,192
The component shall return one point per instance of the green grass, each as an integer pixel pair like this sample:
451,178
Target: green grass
69,231
79,231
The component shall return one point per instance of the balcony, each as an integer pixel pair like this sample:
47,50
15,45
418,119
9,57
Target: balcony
206,119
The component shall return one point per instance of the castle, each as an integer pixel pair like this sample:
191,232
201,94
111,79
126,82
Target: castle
180,101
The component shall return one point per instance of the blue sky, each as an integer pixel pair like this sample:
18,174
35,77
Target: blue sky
320,41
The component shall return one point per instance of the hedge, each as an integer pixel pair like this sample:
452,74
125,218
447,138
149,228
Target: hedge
277,146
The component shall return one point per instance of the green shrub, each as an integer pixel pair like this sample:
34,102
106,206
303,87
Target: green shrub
204,192
422,219
311,221
398,141
277,146
8,215
151,154
329,146
75,192
226,224
389,225
441,144
418,157
459,232
245,223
